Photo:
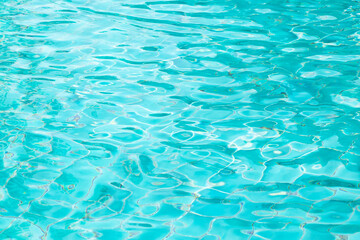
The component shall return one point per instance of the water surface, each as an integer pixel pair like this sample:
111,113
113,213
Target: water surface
179,120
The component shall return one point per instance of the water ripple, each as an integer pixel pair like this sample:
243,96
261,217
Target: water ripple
179,119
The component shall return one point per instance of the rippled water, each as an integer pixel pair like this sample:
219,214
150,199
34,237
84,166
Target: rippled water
191,119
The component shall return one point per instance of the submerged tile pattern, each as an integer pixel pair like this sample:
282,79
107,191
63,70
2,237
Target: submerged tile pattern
184,119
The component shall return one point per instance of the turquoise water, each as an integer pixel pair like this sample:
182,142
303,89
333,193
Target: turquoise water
180,120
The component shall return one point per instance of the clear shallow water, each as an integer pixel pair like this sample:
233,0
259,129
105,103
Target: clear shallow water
179,119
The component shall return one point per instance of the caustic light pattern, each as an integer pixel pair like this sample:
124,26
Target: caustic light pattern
179,119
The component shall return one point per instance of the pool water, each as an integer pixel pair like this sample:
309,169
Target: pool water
180,120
